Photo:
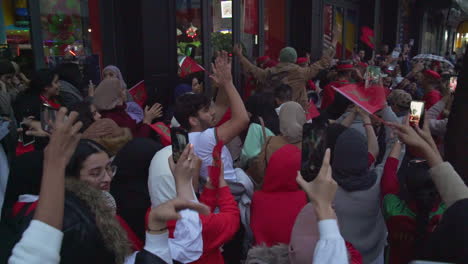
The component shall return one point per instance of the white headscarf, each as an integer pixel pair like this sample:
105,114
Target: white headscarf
187,244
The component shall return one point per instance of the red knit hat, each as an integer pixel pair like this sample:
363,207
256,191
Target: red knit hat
344,67
270,64
301,60
432,74
363,64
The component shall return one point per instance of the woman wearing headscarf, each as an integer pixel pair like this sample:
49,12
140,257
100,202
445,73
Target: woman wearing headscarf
195,239
133,109
292,118
109,99
280,193
130,184
107,133
264,122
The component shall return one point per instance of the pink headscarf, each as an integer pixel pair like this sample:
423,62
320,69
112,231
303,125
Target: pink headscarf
117,73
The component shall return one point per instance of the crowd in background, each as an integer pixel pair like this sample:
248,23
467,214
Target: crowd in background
98,184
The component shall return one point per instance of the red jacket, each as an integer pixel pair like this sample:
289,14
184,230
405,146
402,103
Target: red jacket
432,98
218,228
329,93
120,116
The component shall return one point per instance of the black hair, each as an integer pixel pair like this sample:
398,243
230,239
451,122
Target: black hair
263,105
283,93
70,72
85,115
420,189
85,148
40,80
187,106
6,67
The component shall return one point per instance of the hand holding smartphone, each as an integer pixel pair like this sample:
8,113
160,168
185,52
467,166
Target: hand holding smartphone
48,114
313,149
27,140
180,140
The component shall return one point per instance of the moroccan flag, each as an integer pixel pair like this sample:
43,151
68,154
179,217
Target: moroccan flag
371,99
188,66
164,132
139,94
368,37
214,171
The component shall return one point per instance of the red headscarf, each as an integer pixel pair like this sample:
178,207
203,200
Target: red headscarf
274,209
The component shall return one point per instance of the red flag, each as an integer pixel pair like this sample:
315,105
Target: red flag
139,94
215,171
370,99
251,17
189,66
368,37
163,131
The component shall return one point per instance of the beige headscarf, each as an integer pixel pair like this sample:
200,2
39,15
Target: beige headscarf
107,133
292,117
108,94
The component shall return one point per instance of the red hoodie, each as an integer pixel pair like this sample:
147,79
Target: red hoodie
120,116
274,208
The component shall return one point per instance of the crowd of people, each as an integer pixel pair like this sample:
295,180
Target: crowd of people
98,184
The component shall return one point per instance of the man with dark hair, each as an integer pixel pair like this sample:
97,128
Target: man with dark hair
283,94
195,112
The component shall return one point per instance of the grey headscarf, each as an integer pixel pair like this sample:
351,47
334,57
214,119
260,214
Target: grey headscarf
351,162
292,118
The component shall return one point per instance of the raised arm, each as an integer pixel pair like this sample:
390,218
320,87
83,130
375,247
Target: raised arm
258,73
331,247
389,183
239,121
372,143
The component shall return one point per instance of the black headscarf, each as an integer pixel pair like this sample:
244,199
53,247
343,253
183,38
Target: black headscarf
130,185
351,162
25,178
449,241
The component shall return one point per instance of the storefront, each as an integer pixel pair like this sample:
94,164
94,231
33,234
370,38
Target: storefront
45,33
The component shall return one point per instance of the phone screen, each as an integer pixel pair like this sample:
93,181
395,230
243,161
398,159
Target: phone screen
417,113
27,140
180,139
48,115
313,149
453,83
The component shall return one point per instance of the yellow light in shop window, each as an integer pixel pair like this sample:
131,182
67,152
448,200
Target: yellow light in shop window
90,30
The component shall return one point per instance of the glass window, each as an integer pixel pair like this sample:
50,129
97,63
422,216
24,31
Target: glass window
274,27
249,27
351,33
189,29
338,14
15,40
221,37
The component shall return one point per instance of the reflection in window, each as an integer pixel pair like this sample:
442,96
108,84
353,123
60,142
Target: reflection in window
189,29
274,27
351,33
15,41
221,37
65,30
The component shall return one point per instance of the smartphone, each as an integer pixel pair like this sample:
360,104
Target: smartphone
27,140
48,114
453,83
180,140
313,149
417,113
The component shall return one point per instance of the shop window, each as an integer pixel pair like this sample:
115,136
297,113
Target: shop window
350,33
221,36
275,21
189,29
15,40
70,29
249,27
339,18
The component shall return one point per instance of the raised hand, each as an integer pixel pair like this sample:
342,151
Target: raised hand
237,50
322,190
64,138
222,74
170,211
185,172
152,113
